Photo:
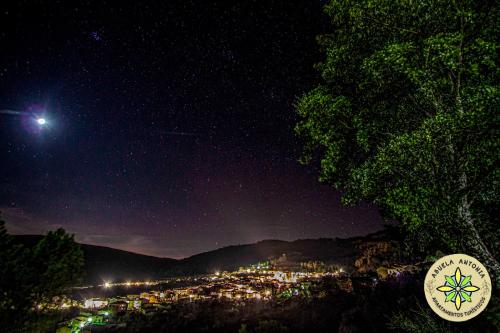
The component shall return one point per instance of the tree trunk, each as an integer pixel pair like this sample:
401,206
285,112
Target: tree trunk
474,240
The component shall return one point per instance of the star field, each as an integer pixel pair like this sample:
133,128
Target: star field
171,124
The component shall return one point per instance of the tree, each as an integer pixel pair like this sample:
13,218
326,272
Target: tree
407,116
57,261
31,277
14,282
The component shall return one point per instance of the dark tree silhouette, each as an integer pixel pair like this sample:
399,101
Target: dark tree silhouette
30,277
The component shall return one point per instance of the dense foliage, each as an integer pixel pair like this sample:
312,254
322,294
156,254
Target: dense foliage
407,116
30,277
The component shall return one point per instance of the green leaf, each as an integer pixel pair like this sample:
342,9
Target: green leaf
465,296
465,280
450,281
450,296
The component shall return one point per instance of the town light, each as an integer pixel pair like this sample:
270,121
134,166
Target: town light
107,285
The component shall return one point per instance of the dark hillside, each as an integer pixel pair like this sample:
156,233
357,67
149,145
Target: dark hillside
107,264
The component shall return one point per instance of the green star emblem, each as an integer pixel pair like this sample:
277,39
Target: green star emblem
458,288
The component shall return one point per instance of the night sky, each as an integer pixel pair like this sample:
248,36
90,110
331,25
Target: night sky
169,126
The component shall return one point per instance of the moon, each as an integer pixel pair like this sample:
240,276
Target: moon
41,121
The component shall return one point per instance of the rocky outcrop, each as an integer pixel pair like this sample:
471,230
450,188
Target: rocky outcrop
375,254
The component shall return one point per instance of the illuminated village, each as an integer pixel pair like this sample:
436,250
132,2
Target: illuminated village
262,282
